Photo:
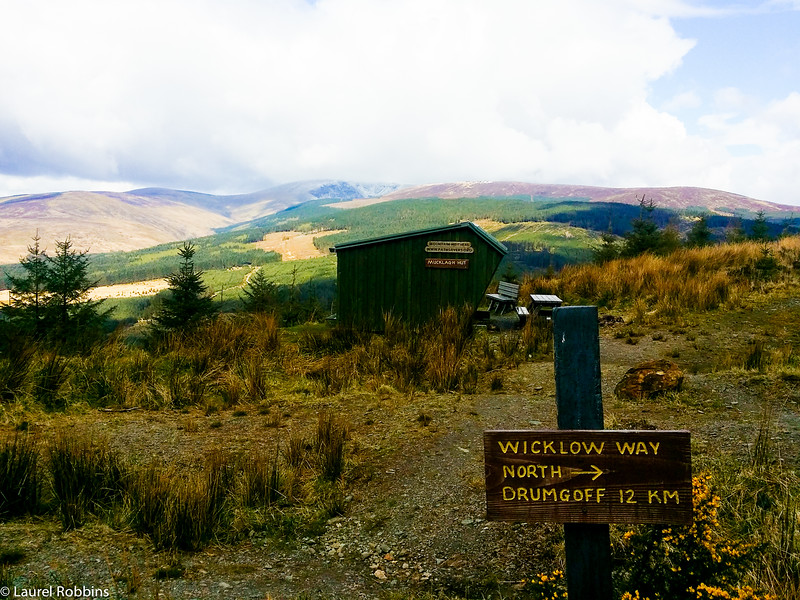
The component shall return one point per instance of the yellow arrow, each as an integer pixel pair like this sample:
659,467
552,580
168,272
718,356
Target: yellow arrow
596,471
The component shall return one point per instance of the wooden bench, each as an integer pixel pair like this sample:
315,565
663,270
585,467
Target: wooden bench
522,314
506,297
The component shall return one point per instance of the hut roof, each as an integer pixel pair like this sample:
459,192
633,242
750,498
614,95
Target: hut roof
421,232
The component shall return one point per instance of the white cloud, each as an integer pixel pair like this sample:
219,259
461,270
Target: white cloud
683,101
763,149
234,96
732,99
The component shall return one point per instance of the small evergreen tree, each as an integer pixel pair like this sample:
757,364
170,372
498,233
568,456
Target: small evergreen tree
734,232
607,250
699,235
51,299
669,240
71,314
28,294
645,235
766,266
187,302
787,227
759,232
260,295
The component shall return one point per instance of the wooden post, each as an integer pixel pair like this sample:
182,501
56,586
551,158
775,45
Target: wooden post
579,398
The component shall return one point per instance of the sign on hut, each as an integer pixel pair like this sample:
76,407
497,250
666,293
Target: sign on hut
414,275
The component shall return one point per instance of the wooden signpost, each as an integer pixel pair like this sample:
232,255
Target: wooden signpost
585,476
582,475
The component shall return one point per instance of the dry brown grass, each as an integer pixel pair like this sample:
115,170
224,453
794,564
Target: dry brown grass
697,279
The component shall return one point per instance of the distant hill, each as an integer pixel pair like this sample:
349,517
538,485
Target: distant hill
124,221
675,198
246,207
99,221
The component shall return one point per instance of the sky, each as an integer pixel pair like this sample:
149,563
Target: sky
241,95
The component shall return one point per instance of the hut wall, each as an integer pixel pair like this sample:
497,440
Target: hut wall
390,276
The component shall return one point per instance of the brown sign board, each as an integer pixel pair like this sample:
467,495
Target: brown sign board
448,246
588,476
447,263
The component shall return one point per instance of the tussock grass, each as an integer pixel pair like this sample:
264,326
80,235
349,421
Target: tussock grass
195,510
86,477
236,360
220,498
444,355
50,377
19,476
260,480
15,369
329,442
146,501
537,338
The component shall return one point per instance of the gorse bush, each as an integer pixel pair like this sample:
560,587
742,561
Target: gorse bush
693,562
547,586
689,562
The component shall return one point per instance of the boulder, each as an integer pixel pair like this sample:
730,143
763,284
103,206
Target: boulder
649,379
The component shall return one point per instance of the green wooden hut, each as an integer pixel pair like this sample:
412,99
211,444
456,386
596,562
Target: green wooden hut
414,275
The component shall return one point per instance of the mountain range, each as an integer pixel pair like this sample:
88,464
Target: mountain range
123,221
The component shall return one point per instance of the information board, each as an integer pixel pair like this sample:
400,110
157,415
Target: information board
588,476
447,263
